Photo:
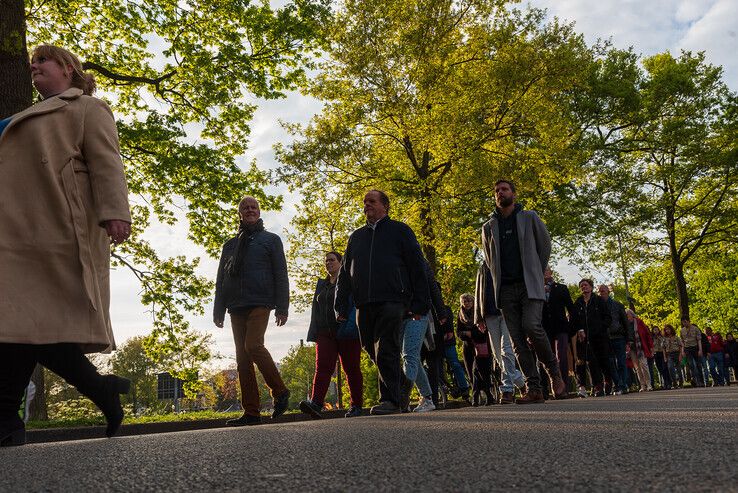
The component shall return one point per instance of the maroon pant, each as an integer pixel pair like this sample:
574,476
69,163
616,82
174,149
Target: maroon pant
327,350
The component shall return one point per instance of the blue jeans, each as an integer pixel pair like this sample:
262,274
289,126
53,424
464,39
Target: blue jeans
717,368
452,357
695,366
412,341
502,350
705,369
618,365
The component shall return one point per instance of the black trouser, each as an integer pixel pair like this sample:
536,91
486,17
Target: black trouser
663,368
17,362
523,318
596,352
482,374
468,355
380,330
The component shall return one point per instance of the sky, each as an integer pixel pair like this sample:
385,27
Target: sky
649,26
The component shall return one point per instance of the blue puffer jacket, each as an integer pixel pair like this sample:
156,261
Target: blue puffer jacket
262,279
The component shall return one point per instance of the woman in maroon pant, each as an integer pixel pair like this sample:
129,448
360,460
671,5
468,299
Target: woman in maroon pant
333,340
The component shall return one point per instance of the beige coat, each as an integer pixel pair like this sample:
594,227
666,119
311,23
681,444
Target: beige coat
61,177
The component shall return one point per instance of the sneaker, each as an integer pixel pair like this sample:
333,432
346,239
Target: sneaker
618,392
507,398
384,408
245,420
531,397
311,409
354,412
582,392
425,405
280,404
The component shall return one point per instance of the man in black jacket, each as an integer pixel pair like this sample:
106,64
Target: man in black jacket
383,270
592,319
555,321
252,281
620,337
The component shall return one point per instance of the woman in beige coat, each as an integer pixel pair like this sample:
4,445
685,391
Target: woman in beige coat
63,199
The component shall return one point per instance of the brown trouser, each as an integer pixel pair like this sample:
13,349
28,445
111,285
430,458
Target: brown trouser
248,334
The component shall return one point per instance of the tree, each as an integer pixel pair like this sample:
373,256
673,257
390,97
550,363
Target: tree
297,369
670,173
131,361
433,101
182,78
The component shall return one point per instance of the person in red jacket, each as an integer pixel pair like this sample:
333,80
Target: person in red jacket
716,358
641,350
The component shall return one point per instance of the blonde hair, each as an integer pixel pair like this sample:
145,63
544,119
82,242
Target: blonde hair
80,78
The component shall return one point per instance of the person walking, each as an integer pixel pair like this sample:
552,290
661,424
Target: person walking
660,358
251,282
333,341
716,358
731,355
592,320
620,337
464,327
673,353
64,201
383,271
490,318
692,348
516,247
640,350
558,309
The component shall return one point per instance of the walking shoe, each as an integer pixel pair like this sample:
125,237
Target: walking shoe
311,409
475,398
531,397
558,388
465,396
354,412
12,432
425,405
245,420
507,398
384,408
405,389
598,393
280,404
618,392
582,392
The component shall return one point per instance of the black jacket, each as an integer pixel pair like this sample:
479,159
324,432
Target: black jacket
262,279
593,318
383,264
323,316
554,311
619,326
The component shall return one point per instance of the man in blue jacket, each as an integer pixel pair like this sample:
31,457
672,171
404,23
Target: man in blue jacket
383,270
252,281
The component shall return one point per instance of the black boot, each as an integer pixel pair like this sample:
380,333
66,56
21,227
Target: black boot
475,398
489,399
109,401
12,432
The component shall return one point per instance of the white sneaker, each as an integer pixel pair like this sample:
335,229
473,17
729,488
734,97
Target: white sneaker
582,392
424,405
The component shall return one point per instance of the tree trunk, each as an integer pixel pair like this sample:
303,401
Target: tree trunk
37,410
16,91
677,265
427,233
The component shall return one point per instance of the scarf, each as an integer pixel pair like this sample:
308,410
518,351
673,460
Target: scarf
466,316
246,233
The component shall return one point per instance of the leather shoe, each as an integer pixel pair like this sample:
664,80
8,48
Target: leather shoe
384,408
245,420
558,388
280,404
311,409
531,397
12,433
507,398
113,387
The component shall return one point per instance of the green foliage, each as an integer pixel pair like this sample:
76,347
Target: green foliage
297,369
182,78
432,101
131,361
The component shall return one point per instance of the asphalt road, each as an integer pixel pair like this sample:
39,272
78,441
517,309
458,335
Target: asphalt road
683,440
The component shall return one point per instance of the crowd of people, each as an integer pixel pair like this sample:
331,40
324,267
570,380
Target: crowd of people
521,332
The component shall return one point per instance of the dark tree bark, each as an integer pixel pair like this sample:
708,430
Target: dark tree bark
16,91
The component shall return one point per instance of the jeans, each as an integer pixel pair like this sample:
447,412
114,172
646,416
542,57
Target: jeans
695,366
523,317
618,366
503,353
327,350
453,361
412,341
705,369
380,331
675,370
717,368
